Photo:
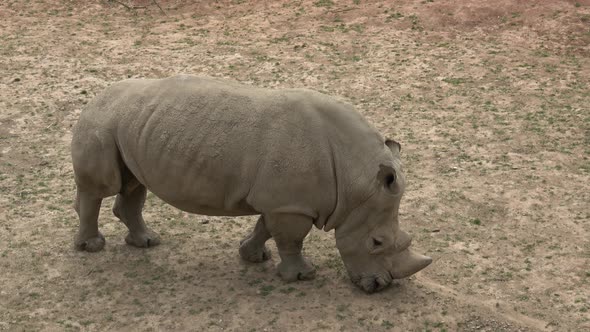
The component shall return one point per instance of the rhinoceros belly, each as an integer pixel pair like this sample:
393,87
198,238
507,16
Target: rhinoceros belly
192,160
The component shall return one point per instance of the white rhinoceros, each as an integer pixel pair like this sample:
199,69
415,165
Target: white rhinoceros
208,146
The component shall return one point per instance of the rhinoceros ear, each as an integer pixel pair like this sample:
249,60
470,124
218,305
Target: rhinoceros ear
394,146
387,176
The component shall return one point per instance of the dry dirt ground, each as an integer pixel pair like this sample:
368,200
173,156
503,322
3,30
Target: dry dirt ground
490,100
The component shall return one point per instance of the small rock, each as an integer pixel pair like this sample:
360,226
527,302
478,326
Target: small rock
17,79
205,222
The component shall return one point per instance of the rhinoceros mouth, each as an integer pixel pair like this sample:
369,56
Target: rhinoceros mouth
372,283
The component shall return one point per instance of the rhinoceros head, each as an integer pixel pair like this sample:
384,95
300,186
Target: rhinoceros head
373,247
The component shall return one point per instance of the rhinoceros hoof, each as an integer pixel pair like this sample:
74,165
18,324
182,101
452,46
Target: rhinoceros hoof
143,240
293,271
92,244
252,253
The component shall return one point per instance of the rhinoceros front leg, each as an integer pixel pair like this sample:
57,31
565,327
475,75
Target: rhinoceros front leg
288,231
252,247
128,208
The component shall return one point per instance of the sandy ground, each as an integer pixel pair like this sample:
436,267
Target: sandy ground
490,102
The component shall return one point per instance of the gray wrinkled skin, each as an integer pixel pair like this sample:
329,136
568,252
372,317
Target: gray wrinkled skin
295,157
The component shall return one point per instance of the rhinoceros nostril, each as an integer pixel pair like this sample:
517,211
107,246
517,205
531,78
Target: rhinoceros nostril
377,243
376,284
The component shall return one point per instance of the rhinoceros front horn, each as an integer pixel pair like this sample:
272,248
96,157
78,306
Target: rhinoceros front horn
406,263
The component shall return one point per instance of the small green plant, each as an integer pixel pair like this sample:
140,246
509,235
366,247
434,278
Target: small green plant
266,289
469,266
454,80
281,39
387,324
357,27
287,290
324,3
396,15
475,221
415,22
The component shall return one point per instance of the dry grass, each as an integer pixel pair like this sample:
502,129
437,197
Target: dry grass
490,103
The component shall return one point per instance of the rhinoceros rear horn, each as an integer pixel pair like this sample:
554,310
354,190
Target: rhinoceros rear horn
407,263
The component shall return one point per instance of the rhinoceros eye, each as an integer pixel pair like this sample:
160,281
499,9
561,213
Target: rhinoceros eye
387,176
390,179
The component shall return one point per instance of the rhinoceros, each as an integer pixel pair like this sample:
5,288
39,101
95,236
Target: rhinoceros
296,157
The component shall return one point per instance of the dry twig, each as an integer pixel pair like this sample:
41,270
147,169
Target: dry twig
127,6
157,4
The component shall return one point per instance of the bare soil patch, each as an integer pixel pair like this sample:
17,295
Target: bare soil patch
489,99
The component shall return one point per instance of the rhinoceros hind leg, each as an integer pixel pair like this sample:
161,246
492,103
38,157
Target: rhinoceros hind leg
128,208
252,247
97,172
88,237
288,231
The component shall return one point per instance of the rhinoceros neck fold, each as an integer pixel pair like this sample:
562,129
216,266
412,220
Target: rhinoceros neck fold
357,150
